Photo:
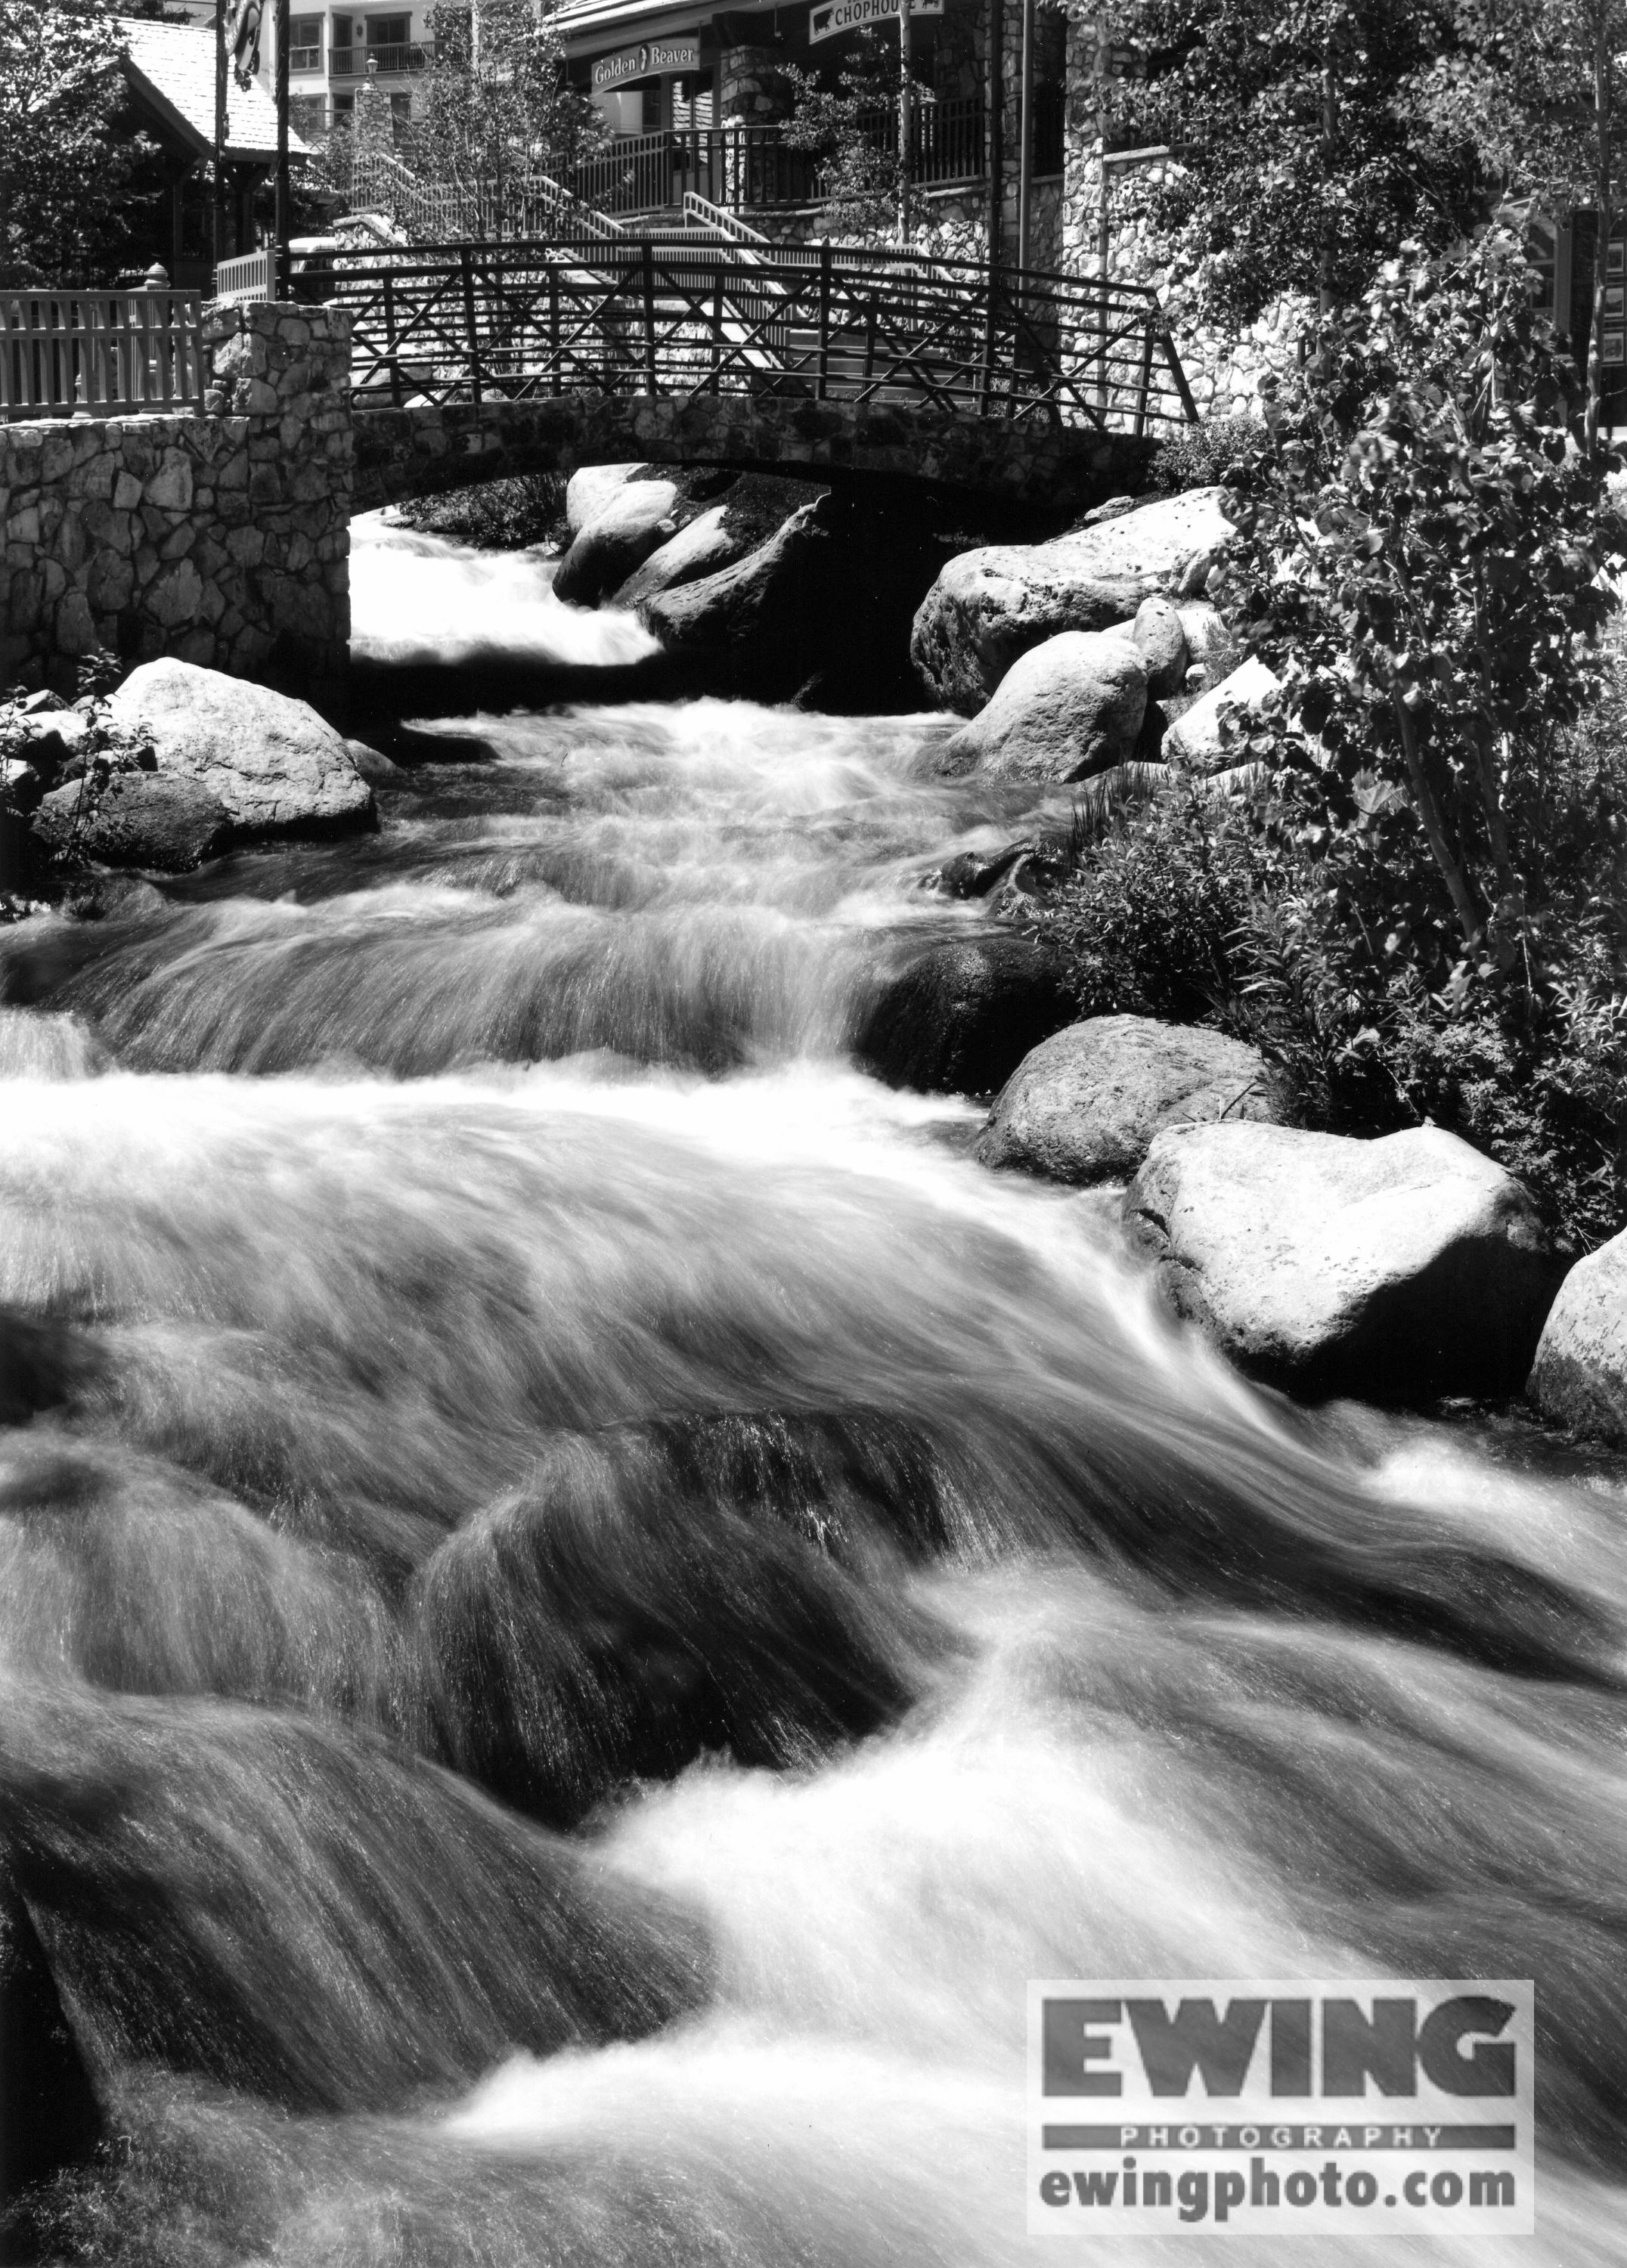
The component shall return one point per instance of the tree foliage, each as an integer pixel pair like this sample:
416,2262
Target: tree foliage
494,104
64,172
1305,159
852,129
1428,574
1417,898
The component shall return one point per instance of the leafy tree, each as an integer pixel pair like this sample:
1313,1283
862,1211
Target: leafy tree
1427,574
853,129
494,106
1304,161
1541,87
65,172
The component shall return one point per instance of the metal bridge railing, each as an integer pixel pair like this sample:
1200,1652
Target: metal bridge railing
689,316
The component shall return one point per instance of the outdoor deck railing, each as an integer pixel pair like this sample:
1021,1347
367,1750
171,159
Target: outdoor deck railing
99,351
688,316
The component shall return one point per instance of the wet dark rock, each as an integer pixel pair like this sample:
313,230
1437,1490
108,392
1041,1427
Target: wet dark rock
962,1014
377,770
611,1623
1085,1106
1397,1270
165,823
50,2119
973,873
296,1909
43,1363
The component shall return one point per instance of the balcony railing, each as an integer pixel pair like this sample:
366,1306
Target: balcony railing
754,169
390,63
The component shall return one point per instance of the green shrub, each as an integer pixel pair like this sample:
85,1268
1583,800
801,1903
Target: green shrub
510,515
1205,455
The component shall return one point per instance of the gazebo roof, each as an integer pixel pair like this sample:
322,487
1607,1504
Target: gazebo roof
171,69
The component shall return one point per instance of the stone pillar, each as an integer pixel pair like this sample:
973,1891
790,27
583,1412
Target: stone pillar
286,370
753,88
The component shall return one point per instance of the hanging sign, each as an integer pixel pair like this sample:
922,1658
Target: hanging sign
833,16
654,60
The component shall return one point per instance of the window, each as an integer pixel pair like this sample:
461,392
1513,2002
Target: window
305,43
388,31
309,114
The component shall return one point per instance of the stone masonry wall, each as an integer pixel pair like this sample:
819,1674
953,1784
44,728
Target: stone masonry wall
1223,370
223,539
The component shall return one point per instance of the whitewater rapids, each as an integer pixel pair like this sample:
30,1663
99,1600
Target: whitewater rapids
584,1598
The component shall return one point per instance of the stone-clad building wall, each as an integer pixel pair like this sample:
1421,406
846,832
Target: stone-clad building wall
223,539
1223,368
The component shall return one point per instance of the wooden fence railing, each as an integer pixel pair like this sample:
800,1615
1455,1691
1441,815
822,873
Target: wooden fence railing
690,316
100,351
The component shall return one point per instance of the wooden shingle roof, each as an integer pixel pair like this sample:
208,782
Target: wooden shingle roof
171,66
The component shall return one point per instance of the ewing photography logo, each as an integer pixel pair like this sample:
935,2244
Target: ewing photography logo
1203,2107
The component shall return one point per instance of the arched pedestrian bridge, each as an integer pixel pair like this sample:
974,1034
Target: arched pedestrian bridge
474,361
193,496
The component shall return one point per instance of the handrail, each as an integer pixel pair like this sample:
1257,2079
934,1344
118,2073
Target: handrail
726,224
685,316
100,352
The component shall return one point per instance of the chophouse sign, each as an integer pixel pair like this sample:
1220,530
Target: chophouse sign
832,16
654,58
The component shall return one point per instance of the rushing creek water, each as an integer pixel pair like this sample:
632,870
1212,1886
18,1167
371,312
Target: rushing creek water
588,1597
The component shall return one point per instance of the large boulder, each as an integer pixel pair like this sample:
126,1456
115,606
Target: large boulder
749,617
1198,737
1579,1377
713,540
164,822
959,1017
1160,639
1398,1269
588,492
1085,1104
50,2116
271,762
988,606
1066,709
637,520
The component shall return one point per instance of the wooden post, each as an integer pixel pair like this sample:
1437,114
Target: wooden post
466,262
556,381
285,200
220,133
647,262
717,324
824,318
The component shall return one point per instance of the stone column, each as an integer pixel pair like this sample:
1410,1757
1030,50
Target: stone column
286,370
751,86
